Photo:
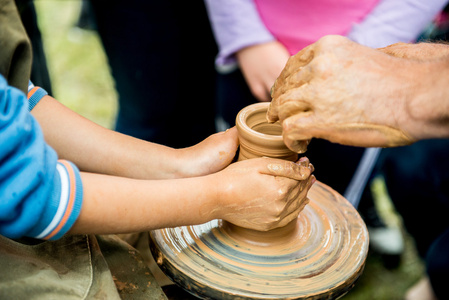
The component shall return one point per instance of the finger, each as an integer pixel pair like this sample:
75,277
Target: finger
304,161
294,214
297,132
272,112
300,59
293,138
297,198
231,133
296,88
310,182
291,108
293,77
299,76
304,187
297,146
302,191
367,135
289,98
289,170
288,105
299,127
297,203
307,54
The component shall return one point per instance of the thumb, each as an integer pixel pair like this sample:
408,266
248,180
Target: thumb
288,169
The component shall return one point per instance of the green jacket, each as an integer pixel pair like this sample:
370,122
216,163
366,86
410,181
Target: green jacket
15,47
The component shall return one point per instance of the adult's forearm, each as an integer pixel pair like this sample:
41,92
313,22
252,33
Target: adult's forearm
428,110
419,51
428,105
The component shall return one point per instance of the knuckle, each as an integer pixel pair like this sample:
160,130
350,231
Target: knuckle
277,212
321,65
278,208
330,40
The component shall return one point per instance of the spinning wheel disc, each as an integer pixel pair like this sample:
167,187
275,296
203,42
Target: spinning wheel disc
320,256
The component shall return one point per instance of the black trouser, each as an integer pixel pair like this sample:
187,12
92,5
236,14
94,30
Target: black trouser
437,264
417,178
161,54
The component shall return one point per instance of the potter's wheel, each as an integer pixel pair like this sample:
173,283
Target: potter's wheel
320,256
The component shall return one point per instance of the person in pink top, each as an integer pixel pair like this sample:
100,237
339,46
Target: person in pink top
286,18
256,38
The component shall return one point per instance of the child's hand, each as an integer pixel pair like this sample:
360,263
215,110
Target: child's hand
209,156
263,193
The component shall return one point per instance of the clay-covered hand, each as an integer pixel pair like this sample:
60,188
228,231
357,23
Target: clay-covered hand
346,93
263,193
420,51
261,64
209,156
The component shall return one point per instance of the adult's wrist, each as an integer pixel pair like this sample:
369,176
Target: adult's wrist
428,107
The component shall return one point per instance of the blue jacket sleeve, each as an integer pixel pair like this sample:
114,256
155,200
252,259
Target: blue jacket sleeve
40,196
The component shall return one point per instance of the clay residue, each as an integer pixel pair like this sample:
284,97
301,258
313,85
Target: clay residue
126,287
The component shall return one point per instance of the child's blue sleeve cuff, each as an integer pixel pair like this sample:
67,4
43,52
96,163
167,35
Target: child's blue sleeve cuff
65,205
35,94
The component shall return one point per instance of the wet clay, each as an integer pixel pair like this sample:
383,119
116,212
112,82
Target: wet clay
258,137
317,256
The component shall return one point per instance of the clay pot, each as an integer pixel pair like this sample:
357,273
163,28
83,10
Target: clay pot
258,137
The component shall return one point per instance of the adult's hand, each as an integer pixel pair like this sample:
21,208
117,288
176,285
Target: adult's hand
261,64
346,93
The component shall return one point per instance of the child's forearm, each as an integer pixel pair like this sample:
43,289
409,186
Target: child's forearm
260,194
96,149
121,205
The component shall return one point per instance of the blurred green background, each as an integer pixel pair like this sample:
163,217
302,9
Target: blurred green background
76,61
82,81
